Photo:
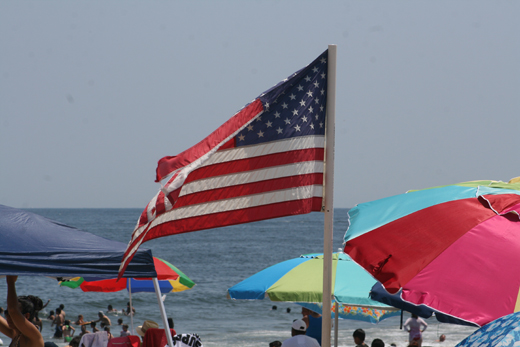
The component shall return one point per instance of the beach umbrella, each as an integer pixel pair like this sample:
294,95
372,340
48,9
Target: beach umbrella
451,248
171,279
502,332
300,280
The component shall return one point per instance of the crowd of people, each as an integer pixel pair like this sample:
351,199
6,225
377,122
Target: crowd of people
306,332
21,323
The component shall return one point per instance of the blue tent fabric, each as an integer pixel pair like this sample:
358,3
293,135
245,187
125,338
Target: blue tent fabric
33,245
379,293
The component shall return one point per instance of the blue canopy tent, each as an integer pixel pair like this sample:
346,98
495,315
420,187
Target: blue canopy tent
33,245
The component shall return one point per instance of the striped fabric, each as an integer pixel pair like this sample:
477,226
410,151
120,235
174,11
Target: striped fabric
267,161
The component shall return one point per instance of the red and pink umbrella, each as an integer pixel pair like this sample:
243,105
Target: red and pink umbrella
453,248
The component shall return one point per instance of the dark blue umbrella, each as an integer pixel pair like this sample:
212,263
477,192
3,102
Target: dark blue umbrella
379,293
33,245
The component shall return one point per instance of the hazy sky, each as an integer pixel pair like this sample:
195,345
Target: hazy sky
94,93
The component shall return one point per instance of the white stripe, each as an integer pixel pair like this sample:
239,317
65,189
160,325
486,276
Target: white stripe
186,170
226,205
295,143
234,179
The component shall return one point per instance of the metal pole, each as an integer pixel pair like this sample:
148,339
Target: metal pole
163,312
131,307
328,207
336,320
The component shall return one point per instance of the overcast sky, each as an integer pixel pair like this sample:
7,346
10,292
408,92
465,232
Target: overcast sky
94,93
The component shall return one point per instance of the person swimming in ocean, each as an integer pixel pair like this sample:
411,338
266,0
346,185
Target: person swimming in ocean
19,316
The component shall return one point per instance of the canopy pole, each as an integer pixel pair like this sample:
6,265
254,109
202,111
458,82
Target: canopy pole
336,320
131,313
163,312
328,205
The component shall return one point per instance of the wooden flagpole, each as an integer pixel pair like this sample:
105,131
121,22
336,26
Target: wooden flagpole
328,207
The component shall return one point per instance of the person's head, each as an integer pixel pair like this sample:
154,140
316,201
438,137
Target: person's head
414,316
101,314
62,306
110,308
58,310
274,307
299,327
107,329
377,343
147,324
75,341
80,317
83,328
28,306
92,324
359,336
120,321
170,323
442,338
125,327
51,313
67,321
275,344
288,310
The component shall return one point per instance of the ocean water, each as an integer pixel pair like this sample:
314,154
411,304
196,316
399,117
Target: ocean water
215,260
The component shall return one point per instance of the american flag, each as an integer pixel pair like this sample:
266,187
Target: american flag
267,161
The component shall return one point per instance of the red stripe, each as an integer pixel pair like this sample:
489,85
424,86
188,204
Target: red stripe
168,164
256,163
395,252
246,215
250,189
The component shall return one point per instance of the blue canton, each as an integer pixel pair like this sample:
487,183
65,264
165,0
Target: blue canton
294,107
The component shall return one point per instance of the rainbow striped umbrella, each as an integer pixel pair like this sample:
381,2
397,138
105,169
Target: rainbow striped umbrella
452,248
170,279
300,280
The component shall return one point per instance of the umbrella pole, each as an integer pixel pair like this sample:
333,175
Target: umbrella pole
163,312
131,313
336,320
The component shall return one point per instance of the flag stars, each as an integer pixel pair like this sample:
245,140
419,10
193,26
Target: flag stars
284,105
250,127
321,108
287,121
317,117
260,134
269,124
297,127
300,88
295,112
259,119
311,110
323,60
307,79
323,75
277,114
304,118
321,124
302,102
279,130
312,125
241,137
317,100
322,91
316,84
315,69
292,96
309,93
